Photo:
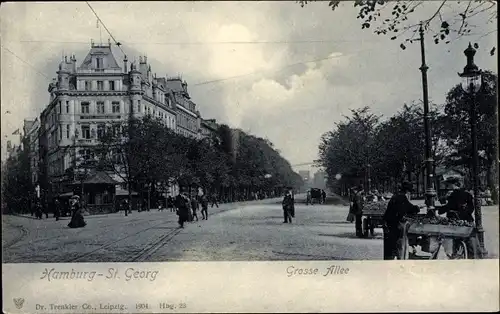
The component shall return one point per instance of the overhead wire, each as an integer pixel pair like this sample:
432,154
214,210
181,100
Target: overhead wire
264,42
22,60
117,43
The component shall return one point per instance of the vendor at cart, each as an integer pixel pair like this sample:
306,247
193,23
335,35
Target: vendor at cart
398,207
459,205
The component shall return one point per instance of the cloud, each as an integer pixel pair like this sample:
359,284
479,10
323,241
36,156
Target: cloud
269,89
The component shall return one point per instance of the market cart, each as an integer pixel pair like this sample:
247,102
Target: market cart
434,234
372,217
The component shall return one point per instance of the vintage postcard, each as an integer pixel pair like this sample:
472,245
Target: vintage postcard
244,156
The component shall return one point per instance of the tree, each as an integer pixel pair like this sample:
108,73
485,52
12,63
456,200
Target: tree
457,128
350,149
16,182
119,152
450,21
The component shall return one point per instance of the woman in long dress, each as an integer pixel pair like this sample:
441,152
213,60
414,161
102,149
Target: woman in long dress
77,220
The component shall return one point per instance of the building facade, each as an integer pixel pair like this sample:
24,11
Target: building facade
87,99
187,117
31,131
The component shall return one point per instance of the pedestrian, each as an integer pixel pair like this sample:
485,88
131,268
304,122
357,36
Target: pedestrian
214,200
170,203
323,196
77,220
204,207
358,204
308,197
181,202
460,205
38,210
352,196
287,208
57,209
46,208
398,207
194,207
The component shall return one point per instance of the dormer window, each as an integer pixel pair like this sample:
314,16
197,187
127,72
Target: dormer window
98,62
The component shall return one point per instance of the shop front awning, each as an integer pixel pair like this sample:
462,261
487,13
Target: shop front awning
99,177
122,192
66,195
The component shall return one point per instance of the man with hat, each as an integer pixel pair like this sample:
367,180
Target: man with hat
357,209
460,205
398,207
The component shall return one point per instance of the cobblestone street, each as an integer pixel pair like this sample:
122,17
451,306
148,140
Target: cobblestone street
252,231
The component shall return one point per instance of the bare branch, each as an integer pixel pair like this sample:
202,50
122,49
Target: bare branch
428,21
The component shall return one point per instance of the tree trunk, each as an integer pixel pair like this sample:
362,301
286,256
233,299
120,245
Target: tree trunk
492,180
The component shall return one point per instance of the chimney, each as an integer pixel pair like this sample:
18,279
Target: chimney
125,60
73,60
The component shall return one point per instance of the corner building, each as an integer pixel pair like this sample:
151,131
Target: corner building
85,100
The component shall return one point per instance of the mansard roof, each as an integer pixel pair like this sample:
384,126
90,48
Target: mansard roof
100,50
175,85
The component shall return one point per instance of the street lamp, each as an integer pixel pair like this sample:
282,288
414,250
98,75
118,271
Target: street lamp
430,192
369,185
471,84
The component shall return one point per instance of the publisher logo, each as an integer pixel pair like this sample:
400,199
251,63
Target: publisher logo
19,303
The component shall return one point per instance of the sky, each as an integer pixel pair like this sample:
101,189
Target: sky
286,90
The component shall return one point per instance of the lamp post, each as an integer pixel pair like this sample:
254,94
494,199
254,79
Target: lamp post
369,178
430,192
471,84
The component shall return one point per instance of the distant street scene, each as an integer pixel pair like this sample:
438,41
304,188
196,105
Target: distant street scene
194,131
252,231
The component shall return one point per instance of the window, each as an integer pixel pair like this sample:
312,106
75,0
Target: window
100,85
60,132
85,107
139,109
67,131
111,85
101,129
86,132
59,107
116,106
67,106
87,85
100,107
98,63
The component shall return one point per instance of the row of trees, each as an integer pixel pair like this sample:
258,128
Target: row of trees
231,163
16,181
390,150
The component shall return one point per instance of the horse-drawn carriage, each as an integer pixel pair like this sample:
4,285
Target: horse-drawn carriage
314,195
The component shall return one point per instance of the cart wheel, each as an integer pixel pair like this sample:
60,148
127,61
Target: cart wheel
459,250
365,228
